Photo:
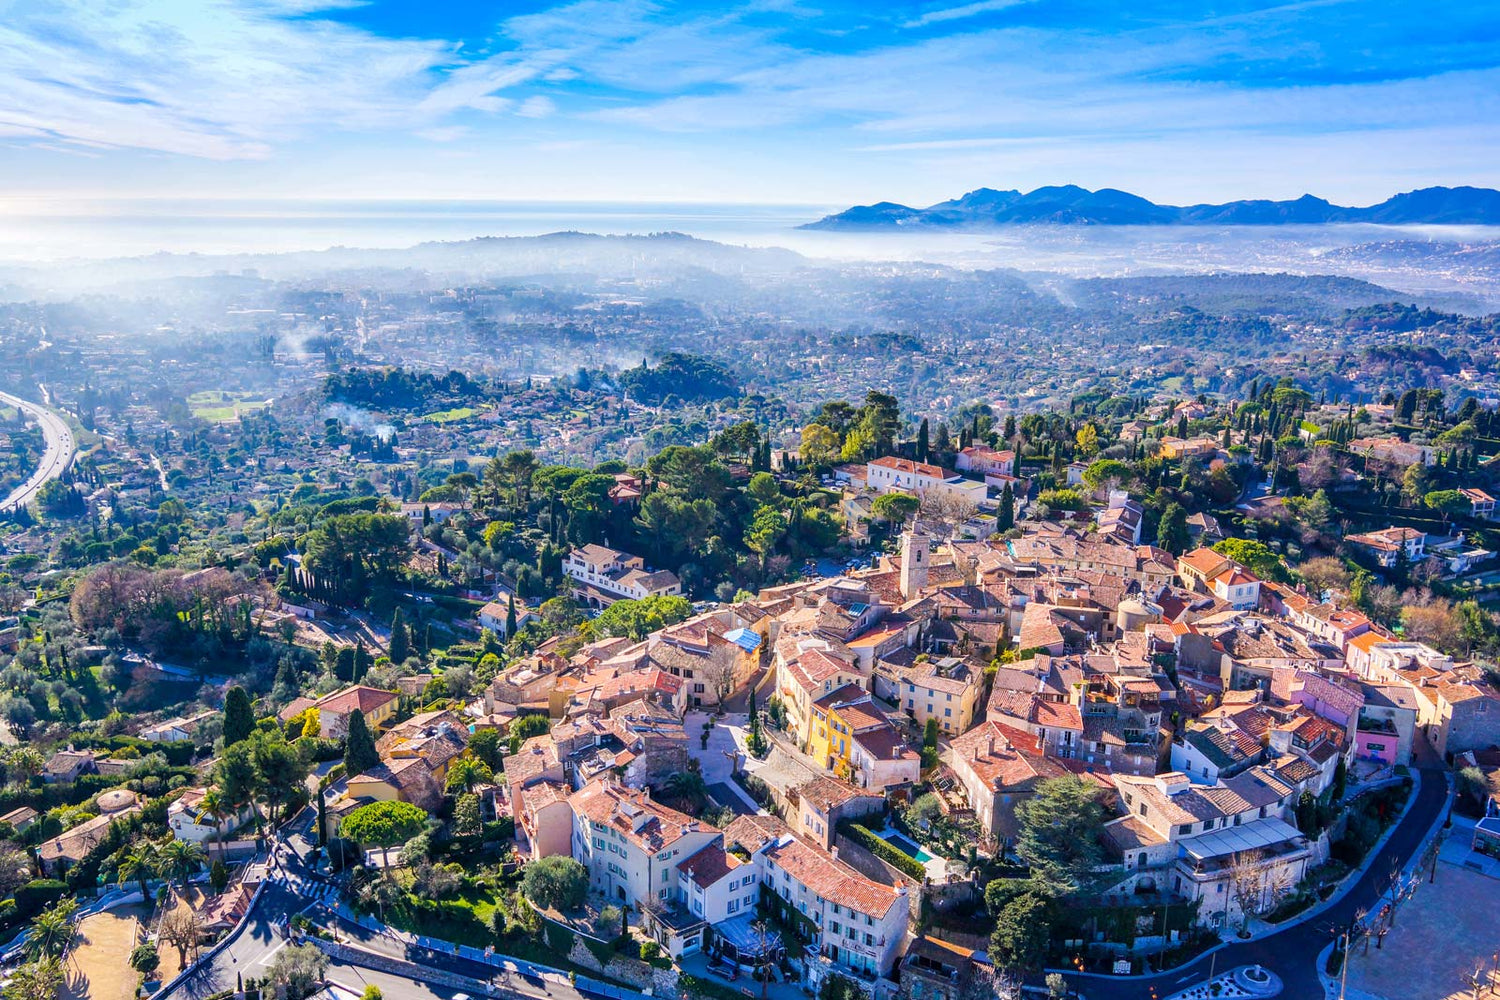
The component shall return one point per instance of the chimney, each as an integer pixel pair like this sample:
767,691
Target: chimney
990,743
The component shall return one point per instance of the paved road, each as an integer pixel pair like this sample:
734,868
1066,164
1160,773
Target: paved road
252,951
55,460
1292,954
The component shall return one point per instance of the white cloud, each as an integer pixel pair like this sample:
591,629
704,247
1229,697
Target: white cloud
536,106
223,79
959,13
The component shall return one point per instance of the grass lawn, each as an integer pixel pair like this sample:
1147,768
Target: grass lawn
99,967
449,416
221,405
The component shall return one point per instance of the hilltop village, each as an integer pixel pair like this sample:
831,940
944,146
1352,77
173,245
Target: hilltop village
874,706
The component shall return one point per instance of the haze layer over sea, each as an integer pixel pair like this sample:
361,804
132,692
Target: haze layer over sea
1415,258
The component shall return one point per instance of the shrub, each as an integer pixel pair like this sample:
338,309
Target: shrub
556,882
884,850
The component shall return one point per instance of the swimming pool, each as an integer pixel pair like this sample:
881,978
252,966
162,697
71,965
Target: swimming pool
900,843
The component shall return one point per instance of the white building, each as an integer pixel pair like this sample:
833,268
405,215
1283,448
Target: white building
861,923
603,575
190,821
885,475
986,461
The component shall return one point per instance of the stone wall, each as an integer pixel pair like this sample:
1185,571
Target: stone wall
663,982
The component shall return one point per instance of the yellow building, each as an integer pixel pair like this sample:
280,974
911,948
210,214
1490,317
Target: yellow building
834,721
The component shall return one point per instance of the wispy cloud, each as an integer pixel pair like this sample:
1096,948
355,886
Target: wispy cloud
223,79
959,13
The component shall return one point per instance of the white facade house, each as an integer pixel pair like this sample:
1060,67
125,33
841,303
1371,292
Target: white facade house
495,615
189,821
861,923
986,461
889,474
603,575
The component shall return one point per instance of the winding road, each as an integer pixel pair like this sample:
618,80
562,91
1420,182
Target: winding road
1292,953
61,449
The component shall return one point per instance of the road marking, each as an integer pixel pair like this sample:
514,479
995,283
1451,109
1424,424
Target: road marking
266,958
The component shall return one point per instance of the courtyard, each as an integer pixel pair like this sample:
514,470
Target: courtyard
1442,933
99,965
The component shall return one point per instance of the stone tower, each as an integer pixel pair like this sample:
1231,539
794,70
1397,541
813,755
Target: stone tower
916,553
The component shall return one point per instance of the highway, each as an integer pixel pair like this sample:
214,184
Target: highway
61,448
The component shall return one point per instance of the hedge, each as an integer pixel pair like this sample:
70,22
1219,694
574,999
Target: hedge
884,850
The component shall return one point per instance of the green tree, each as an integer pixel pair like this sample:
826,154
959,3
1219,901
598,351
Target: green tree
485,746
525,727
279,772
234,774
359,746
763,489
1105,471
767,528
1022,931
467,773
635,619
555,883
1255,556
144,958
400,644
383,824
1172,532
52,931
38,980
1005,516
298,969
895,507
181,858
138,864
239,716
1059,829
218,876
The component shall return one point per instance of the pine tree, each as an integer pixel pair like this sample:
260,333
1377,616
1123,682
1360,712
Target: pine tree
239,716
400,645
359,746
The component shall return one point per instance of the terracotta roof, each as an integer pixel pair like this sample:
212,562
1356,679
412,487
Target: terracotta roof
709,865
634,813
1005,759
830,879
914,468
366,699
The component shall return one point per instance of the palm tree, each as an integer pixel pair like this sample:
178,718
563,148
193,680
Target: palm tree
52,931
182,858
215,805
139,863
688,786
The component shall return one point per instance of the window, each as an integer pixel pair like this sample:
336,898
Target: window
665,873
948,712
598,843
734,906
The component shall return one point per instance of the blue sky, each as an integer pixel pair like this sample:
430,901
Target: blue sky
761,101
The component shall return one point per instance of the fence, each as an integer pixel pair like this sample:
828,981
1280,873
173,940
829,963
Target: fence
208,956
486,957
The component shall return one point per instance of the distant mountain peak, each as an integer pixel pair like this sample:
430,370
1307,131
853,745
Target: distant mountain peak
1069,204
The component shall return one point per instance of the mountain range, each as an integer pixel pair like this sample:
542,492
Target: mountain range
1069,204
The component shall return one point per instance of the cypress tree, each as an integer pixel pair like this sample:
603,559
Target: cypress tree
922,441
510,617
239,716
400,647
359,746
1005,517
